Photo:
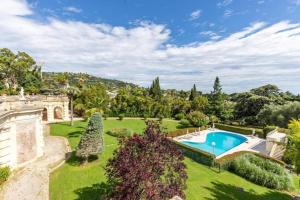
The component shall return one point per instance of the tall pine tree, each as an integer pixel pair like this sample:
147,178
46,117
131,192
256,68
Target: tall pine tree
193,93
217,99
91,142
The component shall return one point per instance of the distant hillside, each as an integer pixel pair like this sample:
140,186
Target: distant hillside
54,81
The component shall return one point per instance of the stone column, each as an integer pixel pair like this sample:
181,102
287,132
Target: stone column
50,113
66,111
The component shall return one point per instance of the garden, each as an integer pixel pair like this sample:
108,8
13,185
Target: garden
75,181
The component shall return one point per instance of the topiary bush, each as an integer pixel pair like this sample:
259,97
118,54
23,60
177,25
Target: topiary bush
4,174
91,142
197,118
120,132
262,172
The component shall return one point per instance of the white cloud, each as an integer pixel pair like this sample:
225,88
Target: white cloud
212,35
72,9
256,55
297,2
224,3
228,13
195,14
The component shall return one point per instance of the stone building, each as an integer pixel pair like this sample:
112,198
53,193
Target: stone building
21,126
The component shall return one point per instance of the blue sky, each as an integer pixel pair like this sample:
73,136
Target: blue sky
246,42
185,18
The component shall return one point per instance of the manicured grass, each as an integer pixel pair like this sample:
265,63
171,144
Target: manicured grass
75,182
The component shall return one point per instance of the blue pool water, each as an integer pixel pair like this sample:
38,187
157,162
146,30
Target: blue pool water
224,141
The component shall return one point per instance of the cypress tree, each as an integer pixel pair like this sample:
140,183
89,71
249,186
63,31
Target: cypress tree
91,142
193,93
155,90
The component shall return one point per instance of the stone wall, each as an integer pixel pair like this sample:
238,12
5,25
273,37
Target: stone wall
55,107
21,126
21,136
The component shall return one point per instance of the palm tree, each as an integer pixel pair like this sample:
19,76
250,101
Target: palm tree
71,93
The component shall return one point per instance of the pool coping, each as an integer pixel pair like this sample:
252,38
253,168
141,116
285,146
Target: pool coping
245,146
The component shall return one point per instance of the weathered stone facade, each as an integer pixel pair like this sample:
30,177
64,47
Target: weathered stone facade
21,126
21,136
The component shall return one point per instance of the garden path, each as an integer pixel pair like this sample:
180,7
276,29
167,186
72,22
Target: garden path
32,182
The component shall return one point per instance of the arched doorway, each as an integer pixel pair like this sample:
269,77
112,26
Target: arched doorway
45,114
58,113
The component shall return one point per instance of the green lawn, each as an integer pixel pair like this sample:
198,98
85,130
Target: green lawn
87,183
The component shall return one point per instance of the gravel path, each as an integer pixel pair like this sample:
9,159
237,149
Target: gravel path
32,182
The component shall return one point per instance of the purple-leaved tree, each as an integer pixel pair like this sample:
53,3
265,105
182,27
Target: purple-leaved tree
146,166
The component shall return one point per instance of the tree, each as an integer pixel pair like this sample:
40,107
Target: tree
91,142
193,93
217,99
197,119
146,166
71,93
279,115
294,127
19,70
155,90
248,105
91,97
200,103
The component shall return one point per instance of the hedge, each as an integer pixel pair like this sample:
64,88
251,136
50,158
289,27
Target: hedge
184,131
224,161
238,129
196,154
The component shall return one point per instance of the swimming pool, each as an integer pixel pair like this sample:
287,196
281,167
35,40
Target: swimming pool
223,141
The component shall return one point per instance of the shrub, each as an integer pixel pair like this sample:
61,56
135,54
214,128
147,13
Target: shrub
121,116
146,166
197,118
184,131
4,174
184,123
179,116
262,172
238,129
120,132
91,142
213,119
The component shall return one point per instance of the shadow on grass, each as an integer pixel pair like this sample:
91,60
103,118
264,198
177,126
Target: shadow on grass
221,191
75,134
95,192
73,160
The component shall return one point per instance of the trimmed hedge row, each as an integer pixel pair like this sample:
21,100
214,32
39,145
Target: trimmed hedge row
238,129
184,131
196,154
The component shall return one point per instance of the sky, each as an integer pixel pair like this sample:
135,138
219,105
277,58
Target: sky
247,43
